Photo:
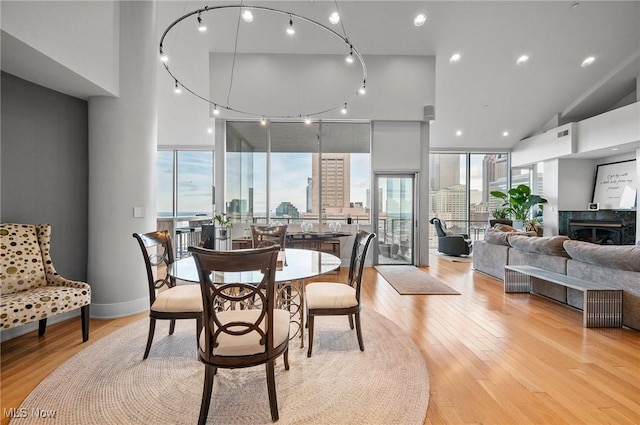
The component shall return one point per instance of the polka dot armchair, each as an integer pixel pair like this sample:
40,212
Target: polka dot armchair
31,289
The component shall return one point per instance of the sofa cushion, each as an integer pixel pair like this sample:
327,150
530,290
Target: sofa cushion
499,237
622,257
550,245
504,227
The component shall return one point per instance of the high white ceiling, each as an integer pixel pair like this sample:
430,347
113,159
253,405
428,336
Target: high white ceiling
487,93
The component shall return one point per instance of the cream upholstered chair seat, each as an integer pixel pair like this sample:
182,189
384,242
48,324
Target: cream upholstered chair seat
248,344
31,288
178,298
330,295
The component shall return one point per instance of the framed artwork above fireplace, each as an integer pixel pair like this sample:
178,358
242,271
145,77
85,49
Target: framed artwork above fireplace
616,185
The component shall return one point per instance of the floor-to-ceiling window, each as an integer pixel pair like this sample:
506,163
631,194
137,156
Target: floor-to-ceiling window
460,186
185,182
292,172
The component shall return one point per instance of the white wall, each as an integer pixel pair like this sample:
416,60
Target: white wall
567,186
395,146
575,183
544,146
398,88
88,46
610,129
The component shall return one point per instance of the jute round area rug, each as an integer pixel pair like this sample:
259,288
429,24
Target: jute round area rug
109,383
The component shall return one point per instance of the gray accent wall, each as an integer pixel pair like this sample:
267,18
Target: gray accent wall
44,168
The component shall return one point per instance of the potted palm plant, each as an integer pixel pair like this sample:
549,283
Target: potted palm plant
519,201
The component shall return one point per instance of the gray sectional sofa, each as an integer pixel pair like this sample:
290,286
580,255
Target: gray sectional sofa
617,265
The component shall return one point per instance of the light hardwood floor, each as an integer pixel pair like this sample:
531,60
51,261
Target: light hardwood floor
493,358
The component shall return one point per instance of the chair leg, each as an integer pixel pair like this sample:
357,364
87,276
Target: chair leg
172,326
198,330
359,331
84,313
271,389
286,359
152,328
350,320
209,373
310,324
42,326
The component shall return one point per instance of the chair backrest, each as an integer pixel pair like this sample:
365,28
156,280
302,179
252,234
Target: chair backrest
358,256
268,235
157,251
223,301
439,225
22,264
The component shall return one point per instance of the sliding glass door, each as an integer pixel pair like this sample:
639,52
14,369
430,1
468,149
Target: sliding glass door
395,218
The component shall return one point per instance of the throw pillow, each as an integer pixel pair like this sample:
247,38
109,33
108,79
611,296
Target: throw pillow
551,245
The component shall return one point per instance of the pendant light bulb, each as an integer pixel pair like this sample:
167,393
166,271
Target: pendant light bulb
334,18
363,89
247,16
290,29
163,56
349,58
263,121
216,111
177,89
307,120
344,109
201,26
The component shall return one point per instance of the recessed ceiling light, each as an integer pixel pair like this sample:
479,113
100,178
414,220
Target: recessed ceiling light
522,60
588,61
455,58
334,18
420,20
505,133
209,130
458,132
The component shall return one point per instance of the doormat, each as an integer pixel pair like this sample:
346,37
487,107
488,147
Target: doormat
410,280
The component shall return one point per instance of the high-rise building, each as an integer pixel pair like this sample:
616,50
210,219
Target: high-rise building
494,169
444,171
335,180
287,209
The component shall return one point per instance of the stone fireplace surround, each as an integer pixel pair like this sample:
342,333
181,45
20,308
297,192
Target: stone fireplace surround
610,227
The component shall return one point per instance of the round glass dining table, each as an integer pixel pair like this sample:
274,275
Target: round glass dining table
297,265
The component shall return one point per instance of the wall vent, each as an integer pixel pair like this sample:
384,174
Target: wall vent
563,133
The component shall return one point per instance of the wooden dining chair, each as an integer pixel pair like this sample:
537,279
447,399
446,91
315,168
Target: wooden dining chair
268,235
336,298
168,301
233,336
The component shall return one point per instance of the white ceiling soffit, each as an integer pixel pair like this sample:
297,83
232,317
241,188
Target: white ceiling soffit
23,61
